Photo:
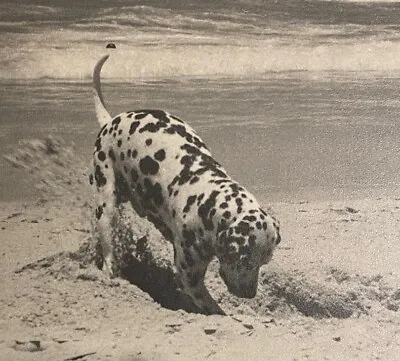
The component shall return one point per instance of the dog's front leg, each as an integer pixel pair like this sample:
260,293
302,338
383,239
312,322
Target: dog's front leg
192,280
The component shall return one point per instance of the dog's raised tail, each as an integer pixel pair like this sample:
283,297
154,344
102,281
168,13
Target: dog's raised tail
103,116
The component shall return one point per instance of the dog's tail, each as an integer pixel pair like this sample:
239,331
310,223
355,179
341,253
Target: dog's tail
103,116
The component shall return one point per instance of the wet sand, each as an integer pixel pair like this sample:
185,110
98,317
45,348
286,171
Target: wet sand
287,138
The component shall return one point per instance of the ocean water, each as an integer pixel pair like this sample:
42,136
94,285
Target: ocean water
295,98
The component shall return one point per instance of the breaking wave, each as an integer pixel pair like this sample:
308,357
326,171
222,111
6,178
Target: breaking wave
206,39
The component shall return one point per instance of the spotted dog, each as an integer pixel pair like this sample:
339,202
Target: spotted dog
158,163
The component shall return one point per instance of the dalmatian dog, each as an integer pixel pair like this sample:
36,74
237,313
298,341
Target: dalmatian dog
159,163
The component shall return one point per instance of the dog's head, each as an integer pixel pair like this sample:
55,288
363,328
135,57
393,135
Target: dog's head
243,248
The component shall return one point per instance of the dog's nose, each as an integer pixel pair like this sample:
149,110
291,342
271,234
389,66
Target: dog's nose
244,291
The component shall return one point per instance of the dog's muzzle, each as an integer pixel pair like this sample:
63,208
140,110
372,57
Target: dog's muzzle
242,290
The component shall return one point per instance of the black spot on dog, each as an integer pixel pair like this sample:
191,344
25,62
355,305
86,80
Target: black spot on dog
153,193
177,119
134,153
97,144
265,226
187,161
204,211
99,176
116,121
122,155
194,179
150,127
161,226
226,214
149,141
243,228
158,114
200,198
149,166
259,225
133,127
111,154
101,156
160,155
128,153
99,212
224,205
91,179
141,116
105,131
120,132
250,218
239,202
189,202
102,130
220,181
119,143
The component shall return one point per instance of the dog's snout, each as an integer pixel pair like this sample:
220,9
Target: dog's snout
244,291
248,291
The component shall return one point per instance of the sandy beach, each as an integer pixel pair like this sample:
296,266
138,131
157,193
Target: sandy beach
330,293
298,100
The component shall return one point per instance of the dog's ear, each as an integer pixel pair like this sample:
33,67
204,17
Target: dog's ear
226,251
232,248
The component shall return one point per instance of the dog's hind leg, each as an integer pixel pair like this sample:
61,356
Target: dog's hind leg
106,213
